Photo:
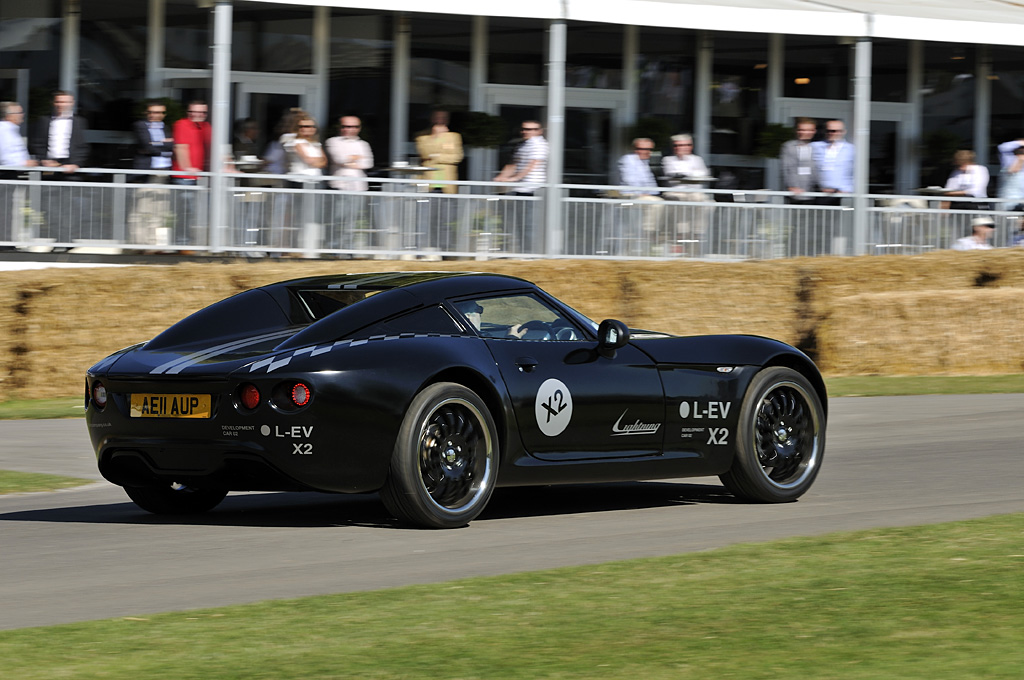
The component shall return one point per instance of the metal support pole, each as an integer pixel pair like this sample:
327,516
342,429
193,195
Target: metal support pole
477,81
155,48
630,81
557,36
915,83
70,46
862,141
321,63
400,88
702,94
776,67
982,103
220,121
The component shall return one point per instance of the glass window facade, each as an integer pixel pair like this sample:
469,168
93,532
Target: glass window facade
30,34
1007,83
360,75
439,72
947,116
271,39
593,56
738,93
817,67
665,70
889,70
187,36
517,51
111,71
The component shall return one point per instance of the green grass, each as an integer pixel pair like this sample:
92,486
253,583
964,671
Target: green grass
880,386
869,386
30,482
64,407
941,601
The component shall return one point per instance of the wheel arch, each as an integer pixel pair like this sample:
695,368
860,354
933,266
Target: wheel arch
807,369
486,390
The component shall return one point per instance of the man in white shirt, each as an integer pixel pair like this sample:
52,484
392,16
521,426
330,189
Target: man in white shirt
635,171
349,158
349,155
13,150
14,153
684,170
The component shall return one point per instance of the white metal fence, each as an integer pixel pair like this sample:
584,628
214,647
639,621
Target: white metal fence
120,210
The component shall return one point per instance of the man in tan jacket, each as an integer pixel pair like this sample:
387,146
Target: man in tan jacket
440,148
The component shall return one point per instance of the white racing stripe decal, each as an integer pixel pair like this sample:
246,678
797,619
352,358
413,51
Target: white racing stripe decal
275,362
181,363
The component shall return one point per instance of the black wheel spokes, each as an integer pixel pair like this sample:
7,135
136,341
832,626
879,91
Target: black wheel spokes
782,433
448,456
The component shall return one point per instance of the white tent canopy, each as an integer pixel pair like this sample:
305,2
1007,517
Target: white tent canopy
964,21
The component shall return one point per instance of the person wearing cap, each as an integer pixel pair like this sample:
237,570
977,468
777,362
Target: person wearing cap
982,229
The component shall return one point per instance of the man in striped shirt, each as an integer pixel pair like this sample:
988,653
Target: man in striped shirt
529,163
529,167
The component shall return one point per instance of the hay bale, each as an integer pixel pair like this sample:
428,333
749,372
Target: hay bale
831,278
974,332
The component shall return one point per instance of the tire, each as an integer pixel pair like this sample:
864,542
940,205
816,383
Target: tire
175,499
781,438
445,461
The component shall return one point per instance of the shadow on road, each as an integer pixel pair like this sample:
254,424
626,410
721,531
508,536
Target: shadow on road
313,510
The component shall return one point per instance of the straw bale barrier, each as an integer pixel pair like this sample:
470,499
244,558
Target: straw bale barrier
55,323
951,332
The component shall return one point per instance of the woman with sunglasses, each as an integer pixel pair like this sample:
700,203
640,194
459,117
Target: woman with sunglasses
305,154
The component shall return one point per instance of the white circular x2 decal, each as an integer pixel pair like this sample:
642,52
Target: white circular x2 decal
553,407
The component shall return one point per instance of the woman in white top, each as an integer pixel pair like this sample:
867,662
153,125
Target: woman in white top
969,179
305,154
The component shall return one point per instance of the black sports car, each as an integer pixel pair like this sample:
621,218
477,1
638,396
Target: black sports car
435,388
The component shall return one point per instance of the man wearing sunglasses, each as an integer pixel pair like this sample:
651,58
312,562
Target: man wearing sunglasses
834,159
635,171
529,166
529,163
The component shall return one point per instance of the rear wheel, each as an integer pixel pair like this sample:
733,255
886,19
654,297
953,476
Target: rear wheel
175,499
445,460
781,438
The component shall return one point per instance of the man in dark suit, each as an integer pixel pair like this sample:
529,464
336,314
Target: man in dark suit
153,143
59,141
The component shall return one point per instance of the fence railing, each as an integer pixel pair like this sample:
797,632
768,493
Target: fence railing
120,210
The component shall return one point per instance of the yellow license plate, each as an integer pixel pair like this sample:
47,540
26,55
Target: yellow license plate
171,406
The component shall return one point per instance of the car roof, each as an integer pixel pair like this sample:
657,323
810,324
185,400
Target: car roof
429,287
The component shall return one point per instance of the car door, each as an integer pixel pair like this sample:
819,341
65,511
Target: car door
570,402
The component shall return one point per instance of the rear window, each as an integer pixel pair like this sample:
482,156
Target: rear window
324,302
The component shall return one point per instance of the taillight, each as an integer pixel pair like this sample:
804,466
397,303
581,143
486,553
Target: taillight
250,396
99,394
300,394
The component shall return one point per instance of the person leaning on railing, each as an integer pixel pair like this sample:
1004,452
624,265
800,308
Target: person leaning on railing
968,179
13,151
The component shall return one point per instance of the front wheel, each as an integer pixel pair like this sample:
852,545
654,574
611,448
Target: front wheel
781,438
445,460
175,499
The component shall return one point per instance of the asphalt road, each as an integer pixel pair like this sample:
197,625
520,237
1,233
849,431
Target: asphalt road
89,553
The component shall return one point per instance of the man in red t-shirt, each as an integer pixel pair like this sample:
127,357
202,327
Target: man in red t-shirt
192,143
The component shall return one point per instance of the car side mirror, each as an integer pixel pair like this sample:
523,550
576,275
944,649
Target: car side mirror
611,335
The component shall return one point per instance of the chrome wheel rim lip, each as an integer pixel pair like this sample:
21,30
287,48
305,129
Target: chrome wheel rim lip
786,434
455,452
